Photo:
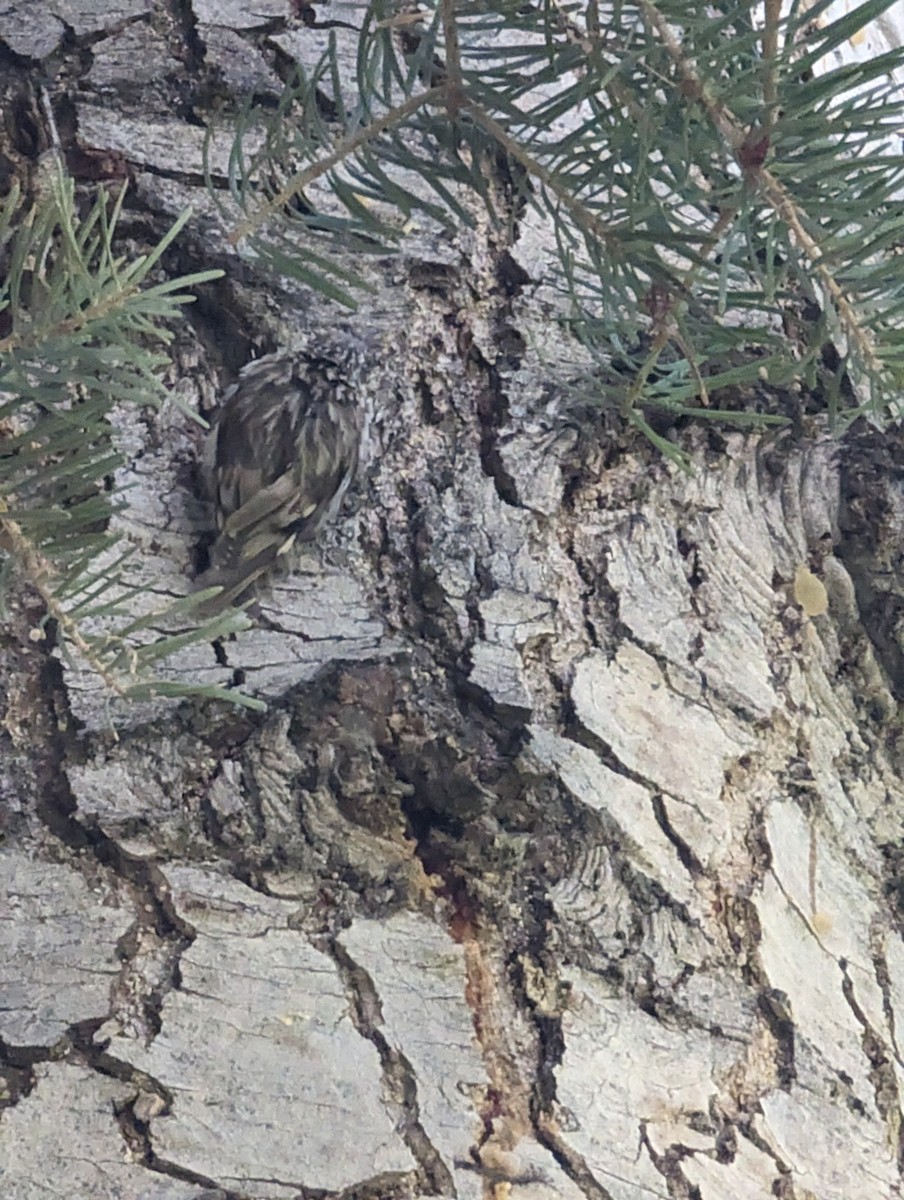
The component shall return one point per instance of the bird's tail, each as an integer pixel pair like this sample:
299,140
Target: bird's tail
237,579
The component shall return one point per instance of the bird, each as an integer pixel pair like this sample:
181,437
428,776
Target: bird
281,453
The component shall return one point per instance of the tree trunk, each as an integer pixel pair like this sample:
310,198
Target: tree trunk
565,859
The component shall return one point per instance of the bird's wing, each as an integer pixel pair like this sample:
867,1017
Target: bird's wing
262,503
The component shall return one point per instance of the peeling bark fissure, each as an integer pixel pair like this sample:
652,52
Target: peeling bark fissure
566,860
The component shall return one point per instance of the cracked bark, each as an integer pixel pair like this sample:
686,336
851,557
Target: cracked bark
566,861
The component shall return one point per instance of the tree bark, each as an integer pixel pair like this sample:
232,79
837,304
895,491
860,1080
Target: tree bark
566,859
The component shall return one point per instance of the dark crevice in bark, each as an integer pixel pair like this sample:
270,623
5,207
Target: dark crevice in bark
882,1070
573,729
85,834
137,1136
543,995
884,980
600,601
759,848
12,63
151,998
668,1164
477,699
871,519
221,317
573,1164
493,413
726,1141
17,1080
185,24
492,399
18,1061
96,1057
775,1009
431,618
686,856
380,1187
893,881
428,411
741,922
286,68
440,279
552,1050
783,1188
398,1073
55,804
214,823
24,133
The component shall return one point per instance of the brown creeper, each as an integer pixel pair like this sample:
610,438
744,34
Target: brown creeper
279,458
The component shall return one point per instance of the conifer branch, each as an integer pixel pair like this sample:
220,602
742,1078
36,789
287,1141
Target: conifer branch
343,151
666,223
740,143
83,321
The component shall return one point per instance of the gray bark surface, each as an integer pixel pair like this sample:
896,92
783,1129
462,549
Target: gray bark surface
566,860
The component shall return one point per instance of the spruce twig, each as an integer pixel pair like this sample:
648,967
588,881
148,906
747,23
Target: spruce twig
83,321
704,168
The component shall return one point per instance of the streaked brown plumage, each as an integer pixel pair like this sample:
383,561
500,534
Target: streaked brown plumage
279,458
